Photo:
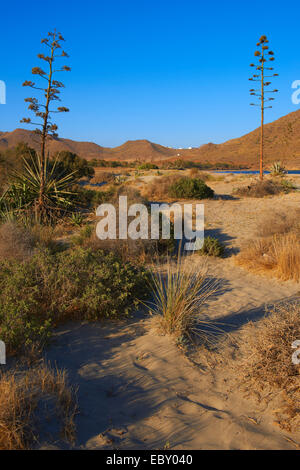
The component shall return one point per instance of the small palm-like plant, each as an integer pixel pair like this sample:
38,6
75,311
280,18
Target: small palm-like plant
23,194
277,169
179,297
76,219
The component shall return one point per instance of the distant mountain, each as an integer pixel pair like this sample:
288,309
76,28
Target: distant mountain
282,143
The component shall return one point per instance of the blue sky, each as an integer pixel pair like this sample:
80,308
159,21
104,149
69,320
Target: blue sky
174,72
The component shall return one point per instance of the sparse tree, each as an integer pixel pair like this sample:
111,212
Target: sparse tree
263,56
42,107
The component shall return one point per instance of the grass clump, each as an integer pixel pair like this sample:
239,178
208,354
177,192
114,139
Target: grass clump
278,223
76,284
266,369
277,251
179,295
103,177
26,398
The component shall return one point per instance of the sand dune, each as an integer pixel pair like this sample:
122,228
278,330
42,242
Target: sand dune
137,390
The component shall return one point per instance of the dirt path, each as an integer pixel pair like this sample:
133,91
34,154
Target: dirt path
138,391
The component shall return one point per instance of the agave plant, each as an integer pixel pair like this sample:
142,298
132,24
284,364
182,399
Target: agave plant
277,169
24,193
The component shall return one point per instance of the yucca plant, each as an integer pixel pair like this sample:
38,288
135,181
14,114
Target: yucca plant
179,294
76,219
24,197
277,169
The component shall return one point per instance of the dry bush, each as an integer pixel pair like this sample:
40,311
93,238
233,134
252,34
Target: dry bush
16,242
19,243
265,366
103,177
277,223
135,251
45,236
204,176
128,250
260,189
133,196
279,254
194,173
158,189
23,399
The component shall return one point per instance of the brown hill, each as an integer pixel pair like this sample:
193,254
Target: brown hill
282,143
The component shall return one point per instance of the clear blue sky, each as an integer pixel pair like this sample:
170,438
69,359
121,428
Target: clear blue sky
174,72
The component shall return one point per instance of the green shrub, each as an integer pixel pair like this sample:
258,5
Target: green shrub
190,188
90,198
73,285
212,247
147,166
67,162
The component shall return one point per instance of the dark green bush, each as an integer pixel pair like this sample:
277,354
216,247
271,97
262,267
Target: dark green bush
147,166
67,162
76,284
190,188
91,198
212,247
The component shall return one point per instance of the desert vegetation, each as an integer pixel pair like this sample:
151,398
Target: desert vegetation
263,359
264,188
178,187
277,249
57,274
76,284
180,294
29,398
212,247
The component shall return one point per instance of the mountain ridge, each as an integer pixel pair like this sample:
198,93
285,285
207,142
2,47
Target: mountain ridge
282,142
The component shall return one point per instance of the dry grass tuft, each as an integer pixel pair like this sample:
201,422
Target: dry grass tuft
265,362
103,177
18,242
180,293
21,397
279,255
262,189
